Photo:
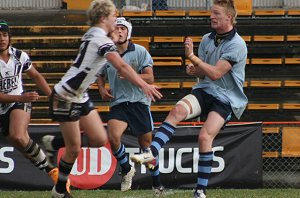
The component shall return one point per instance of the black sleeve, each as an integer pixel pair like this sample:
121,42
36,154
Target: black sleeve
108,47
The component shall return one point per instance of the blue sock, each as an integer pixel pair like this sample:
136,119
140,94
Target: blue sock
204,169
162,136
122,158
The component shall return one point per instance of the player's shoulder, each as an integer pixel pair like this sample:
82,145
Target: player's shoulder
96,36
238,40
19,54
140,49
237,36
103,40
206,36
14,50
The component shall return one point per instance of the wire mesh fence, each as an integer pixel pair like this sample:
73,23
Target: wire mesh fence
268,3
139,5
279,171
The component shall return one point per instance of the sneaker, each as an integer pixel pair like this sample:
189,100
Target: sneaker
53,174
143,158
151,165
159,191
55,194
199,194
49,150
127,180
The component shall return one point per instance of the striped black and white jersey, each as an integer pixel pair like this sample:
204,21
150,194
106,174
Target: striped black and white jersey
11,75
86,67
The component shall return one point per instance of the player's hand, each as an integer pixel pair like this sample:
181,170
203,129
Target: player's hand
105,94
189,47
31,96
152,92
191,70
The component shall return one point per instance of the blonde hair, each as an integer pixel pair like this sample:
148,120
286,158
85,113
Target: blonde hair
99,8
229,7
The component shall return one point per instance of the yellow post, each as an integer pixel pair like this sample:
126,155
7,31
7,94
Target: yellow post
77,4
244,7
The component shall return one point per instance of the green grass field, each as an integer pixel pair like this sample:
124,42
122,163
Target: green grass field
212,193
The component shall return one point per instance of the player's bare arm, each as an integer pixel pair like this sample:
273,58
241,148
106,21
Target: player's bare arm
213,72
39,80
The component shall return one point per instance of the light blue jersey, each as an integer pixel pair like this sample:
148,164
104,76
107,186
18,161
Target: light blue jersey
229,88
124,91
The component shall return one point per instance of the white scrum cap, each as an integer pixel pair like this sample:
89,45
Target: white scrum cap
122,21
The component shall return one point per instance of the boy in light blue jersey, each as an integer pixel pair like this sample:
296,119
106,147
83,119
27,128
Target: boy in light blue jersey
221,64
130,108
123,90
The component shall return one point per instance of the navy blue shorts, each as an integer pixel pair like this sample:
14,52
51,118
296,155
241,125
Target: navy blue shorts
4,118
63,111
136,115
209,103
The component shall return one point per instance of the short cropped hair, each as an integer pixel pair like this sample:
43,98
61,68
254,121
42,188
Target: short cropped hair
99,8
229,7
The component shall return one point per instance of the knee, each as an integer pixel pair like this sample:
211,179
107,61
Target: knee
18,140
178,113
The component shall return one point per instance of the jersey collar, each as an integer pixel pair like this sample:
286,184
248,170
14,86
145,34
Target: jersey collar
130,48
10,50
230,35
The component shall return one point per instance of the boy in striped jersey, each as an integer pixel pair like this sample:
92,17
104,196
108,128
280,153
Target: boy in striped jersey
70,104
15,104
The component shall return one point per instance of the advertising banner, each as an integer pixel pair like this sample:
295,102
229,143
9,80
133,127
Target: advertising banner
237,161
